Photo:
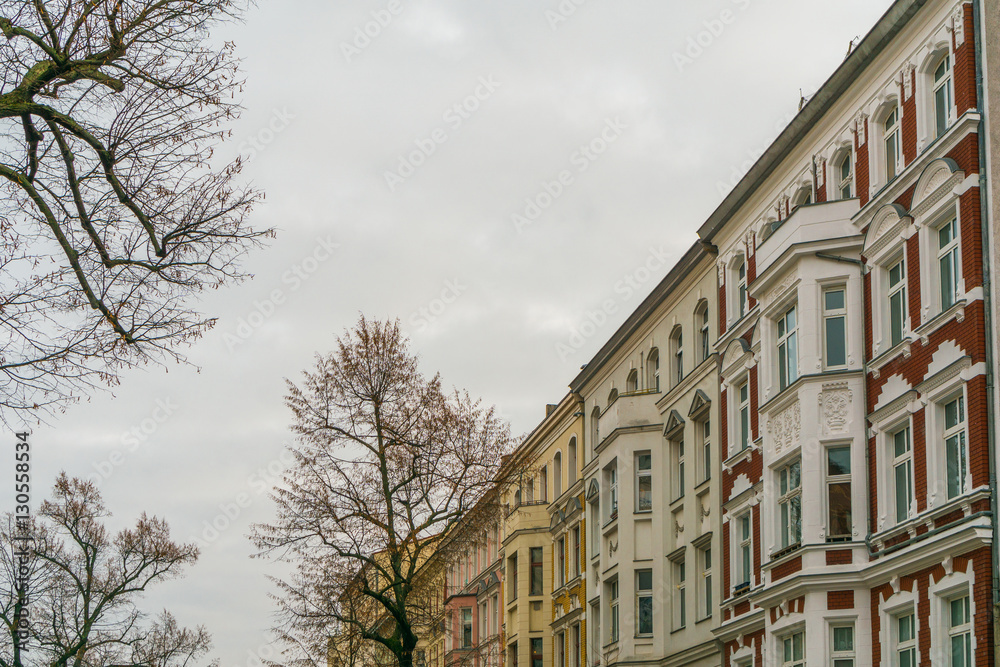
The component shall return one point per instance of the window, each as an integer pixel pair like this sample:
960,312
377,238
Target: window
793,650
613,611
644,602
706,449
543,486
561,650
594,623
643,482
512,577
704,340
788,354
893,145
947,258
835,327
561,562
577,563
595,428
790,505
680,599
537,659
743,412
677,481
557,475
838,487
744,565
513,655
595,533
653,369
613,492
843,646
571,460
677,347
845,176
536,571
897,302
906,640
902,473
960,632
632,383
466,628
942,95
741,289
576,646
705,561
954,445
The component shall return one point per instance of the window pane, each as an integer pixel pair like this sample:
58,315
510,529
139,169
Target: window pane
960,651
840,509
645,580
834,299
897,317
836,341
645,462
645,493
843,639
903,491
645,615
793,359
947,281
838,461
901,441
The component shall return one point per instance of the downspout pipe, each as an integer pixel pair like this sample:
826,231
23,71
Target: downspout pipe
984,201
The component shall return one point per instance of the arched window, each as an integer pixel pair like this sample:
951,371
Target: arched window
739,291
653,369
677,353
557,475
612,396
943,95
632,384
803,197
892,142
543,487
701,321
571,460
844,173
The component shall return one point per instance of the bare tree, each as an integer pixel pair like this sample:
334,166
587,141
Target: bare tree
387,464
81,585
112,216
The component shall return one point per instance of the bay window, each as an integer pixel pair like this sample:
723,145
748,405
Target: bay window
790,505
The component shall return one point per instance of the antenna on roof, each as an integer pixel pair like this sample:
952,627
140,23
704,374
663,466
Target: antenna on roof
851,45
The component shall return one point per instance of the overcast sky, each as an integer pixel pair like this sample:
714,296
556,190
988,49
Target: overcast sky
488,172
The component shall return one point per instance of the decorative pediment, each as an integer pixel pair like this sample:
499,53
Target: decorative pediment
936,182
593,490
700,403
736,351
885,227
675,424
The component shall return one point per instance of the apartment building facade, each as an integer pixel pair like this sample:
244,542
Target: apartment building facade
650,398
786,455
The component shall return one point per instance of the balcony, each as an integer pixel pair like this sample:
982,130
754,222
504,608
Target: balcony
634,410
807,224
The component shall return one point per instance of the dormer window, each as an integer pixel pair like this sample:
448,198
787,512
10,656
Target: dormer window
943,95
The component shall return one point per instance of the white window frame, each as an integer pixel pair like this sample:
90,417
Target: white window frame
944,84
743,426
644,596
788,499
892,289
901,460
653,369
891,135
614,627
959,433
909,645
786,645
643,475
612,473
845,182
737,297
953,252
677,469
830,314
703,320
705,596
677,354
843,657
705,450
678,572
786,327
742,527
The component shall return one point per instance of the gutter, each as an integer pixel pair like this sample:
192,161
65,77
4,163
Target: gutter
984,202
